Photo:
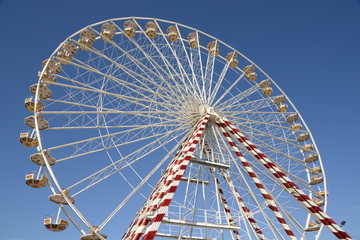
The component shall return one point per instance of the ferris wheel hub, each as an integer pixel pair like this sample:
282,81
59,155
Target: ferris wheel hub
205,108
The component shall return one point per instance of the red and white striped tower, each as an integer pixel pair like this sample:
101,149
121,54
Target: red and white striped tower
266,195
174,178
245,211
289,185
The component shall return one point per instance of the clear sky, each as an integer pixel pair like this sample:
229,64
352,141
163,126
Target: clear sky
310,48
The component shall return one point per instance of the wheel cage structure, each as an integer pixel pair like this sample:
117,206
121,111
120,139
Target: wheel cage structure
146,95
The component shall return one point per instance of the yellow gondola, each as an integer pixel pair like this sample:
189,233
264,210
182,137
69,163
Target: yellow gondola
232,59
36,182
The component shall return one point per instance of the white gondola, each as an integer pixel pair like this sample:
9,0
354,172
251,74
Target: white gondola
59,199
130,28
213,48
232,59
44,91
172,33
108,31
27,140
312,227
321,194
265,83
248,69
193,39
316,180
46,77
318,202
252,76
267,91
36,182
311,158
292,118
316,170
303,137
92,235
307,147
66,53
55,225
296,127
279,100
52,66
38,158
63,58
283,108
30,105
151,29
86,40
42,123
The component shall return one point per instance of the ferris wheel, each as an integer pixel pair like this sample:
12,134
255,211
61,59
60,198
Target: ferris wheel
145,128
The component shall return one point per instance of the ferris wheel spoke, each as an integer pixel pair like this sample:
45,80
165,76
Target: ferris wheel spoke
195,63
200,67
130,99
219,82
270,124
174,92
169,67
72,103
252,105
125,161
237,98
209,74
141,67
131,86
227,91
266,120
134,87
259,112
91,148
127,131
260,133
105,127
192,80
174,48
76,118
136,113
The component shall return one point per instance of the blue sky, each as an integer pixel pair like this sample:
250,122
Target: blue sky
310,48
